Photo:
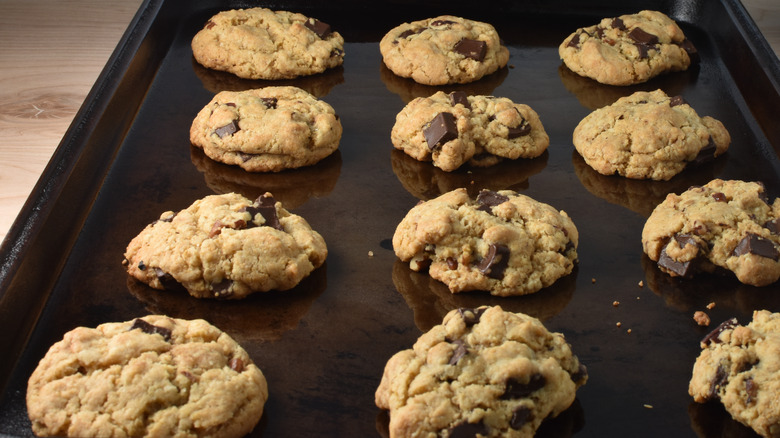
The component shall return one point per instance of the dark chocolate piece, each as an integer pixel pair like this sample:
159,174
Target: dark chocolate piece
520,417
269,102
677,100
473,49
210,24
141,265
452,263
151,329
460,351
693,53
524,128
166,280
706,154
641,37
751,389
266,206
229,129
683,269
495,262
321,29
643,50
617,23
410,32
488,199
756,245
720,380
574,41
712,336
460,97
580,375
468,430
441,130
236,364
720,197
441,22
222,289
515,389
470,316
773,226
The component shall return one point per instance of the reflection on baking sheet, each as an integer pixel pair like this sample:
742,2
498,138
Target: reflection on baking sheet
430,299
425,181
642,196
408,89
594,95
710,420
261,317
291,187
722,288
319,85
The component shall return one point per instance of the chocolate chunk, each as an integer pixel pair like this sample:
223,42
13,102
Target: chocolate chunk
452,263
472,49
677,100
321,29
441,130
580,375
515,389
520,417
441,22
641,37
245,157
706,154
756,245
574,41
751,389
693,53
470,316
720,380
720,197
222,289
236,364
460,351
231,104
712,336
468,430
210,24
617,23
643,50
686,239
495,262
524,128
600,34
460,97
166,280
683,269
488,199
266,206
229,129
410,32
773,226
141,265
269,102
151,329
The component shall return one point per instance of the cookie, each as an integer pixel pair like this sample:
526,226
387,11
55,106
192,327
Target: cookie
267,130
259,43
727,225
453,129
443,50
629,49
152,376
502,242
648,135
738,366
481,371
226,246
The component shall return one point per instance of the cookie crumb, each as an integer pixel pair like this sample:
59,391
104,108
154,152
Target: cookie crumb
641,283
648,406
711,305
371,253
593,280
628,331
615,303
701,318
619,324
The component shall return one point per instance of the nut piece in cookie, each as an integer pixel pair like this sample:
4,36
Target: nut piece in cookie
152,376
454,129
481,371
267,130
226,246
738,366
259,43
629,49
726,225
502,242
443,50
648,135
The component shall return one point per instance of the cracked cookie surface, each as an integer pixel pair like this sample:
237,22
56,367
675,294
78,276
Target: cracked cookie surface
648,135
443,50
226,246
629,49
267,129
152,376
259,43
728,224
739,366
453,129
502,242
481,371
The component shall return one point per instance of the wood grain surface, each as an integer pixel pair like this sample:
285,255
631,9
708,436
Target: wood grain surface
52,52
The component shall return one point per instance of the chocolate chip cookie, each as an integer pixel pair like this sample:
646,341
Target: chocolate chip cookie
739,366
629,49
481,372
729,225
452,129
267,130
443,50
502,242
260,43
152,376
648,135
226,246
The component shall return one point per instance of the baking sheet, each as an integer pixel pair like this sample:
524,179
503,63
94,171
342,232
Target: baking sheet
323,345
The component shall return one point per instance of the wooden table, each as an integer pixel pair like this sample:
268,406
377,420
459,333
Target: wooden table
52,52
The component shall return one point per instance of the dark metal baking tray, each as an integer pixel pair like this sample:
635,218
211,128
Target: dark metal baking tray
323,345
